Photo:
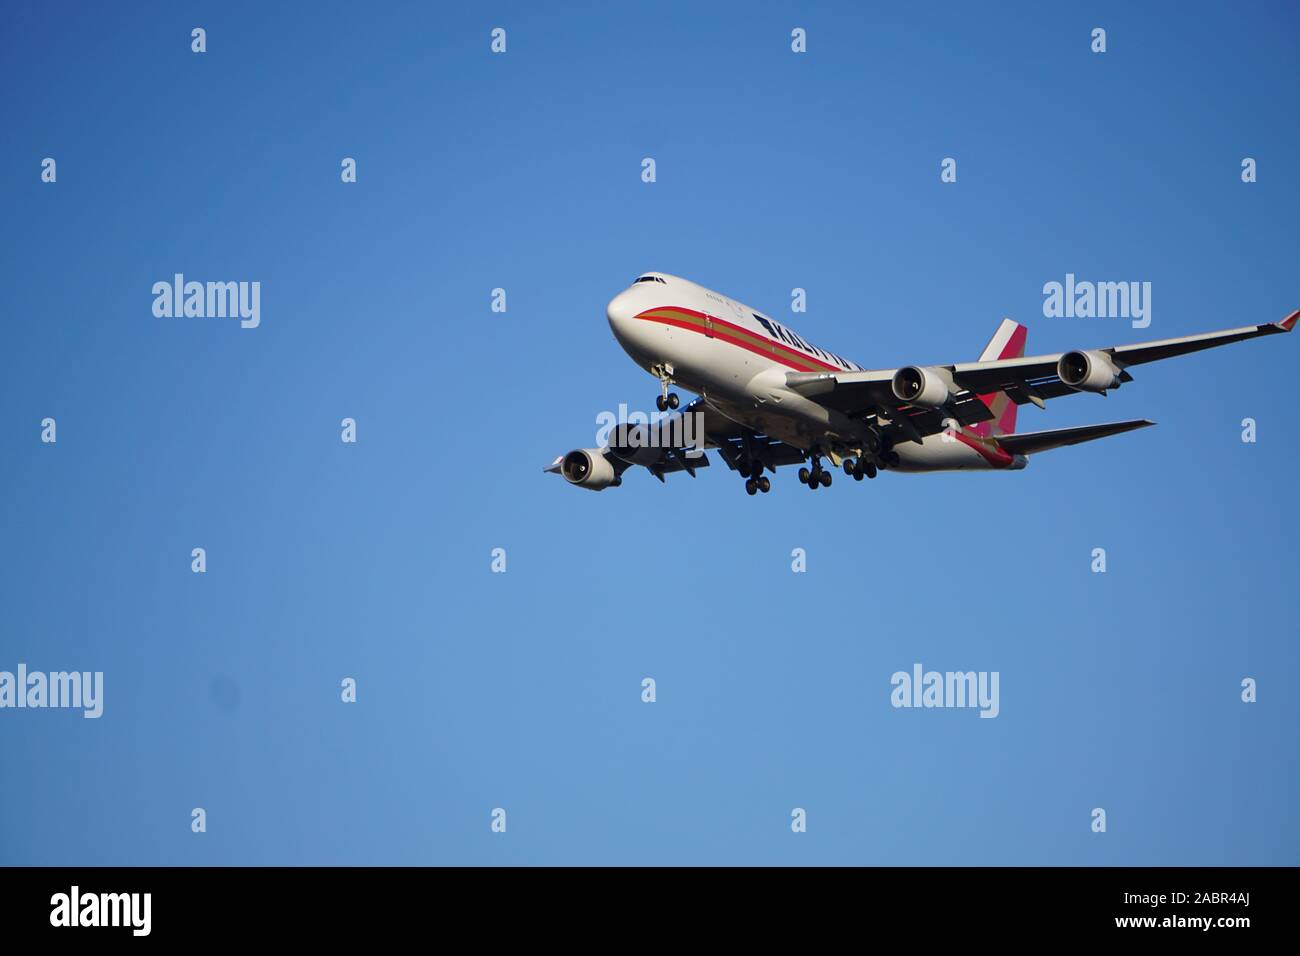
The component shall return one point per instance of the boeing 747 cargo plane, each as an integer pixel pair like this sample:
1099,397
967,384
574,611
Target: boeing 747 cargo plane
768,397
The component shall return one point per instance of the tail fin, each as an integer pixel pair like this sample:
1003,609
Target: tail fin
1007,342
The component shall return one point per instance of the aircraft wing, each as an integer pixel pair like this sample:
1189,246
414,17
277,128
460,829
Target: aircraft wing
1035,378
663,449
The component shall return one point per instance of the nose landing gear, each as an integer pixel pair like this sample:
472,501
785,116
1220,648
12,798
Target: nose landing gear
666,399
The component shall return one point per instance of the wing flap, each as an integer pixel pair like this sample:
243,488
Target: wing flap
772,452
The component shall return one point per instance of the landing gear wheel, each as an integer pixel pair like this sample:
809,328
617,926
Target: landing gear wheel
870,470
751,487
673,400
661,403
850,467
813,485
826,479
857,475
764,484
804,475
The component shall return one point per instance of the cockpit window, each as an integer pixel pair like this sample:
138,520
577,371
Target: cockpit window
649,279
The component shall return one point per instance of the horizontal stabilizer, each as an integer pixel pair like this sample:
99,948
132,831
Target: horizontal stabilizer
1029,443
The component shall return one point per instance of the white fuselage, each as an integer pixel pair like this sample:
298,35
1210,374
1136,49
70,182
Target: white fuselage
737,358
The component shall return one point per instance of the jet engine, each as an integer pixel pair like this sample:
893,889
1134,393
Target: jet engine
637,444
644,444
1089,371
589,468
926,387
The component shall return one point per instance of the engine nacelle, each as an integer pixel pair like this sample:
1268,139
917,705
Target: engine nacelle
1089,371
589,468
639,444
644,444
927,387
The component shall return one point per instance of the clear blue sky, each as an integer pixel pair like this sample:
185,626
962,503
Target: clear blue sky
522,690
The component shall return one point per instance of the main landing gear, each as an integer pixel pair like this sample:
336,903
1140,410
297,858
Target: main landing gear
667,399
871,456
758,481
817,476
860,468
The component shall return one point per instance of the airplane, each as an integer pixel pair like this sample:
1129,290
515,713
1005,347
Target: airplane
768,397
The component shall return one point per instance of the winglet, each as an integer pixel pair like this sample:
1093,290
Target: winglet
1287,324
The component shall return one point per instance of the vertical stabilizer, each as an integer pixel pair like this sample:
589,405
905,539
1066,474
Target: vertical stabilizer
1007,342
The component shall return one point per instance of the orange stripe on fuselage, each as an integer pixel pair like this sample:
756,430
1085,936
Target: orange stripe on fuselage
737,335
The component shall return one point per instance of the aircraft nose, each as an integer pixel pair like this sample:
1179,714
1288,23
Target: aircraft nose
620,311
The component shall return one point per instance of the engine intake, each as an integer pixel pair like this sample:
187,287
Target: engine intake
589,468
927,387
1089,371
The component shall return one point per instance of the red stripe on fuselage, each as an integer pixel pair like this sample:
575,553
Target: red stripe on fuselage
724,337
783,353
